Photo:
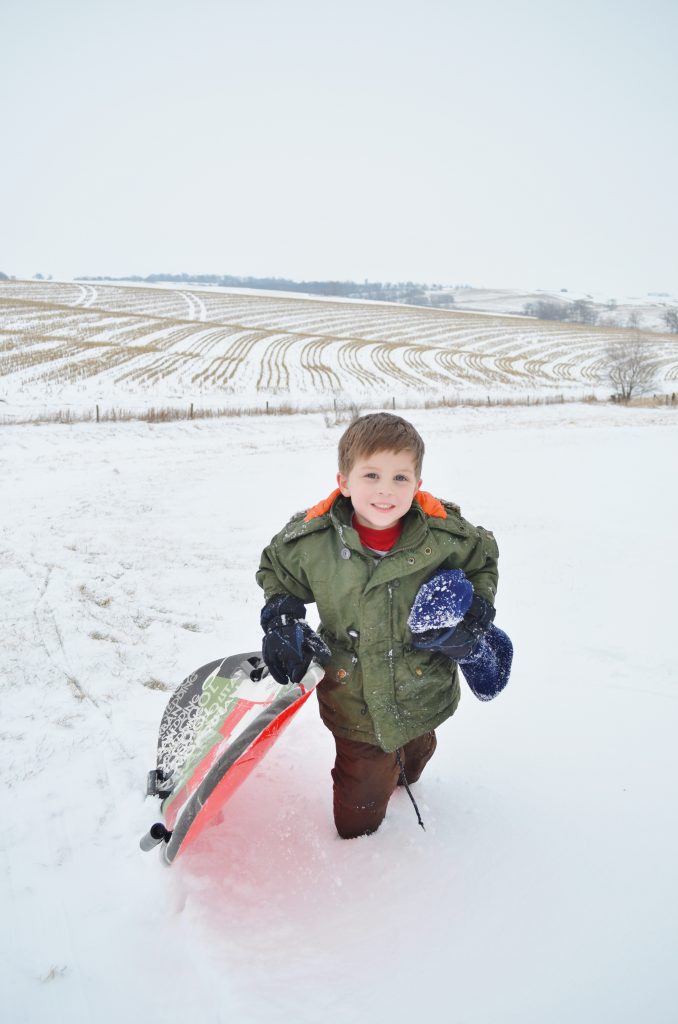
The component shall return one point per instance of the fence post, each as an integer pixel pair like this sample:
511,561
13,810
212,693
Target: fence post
267,407
191,413
97,413
393,401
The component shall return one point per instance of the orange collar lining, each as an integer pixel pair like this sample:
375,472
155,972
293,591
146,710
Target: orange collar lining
430,505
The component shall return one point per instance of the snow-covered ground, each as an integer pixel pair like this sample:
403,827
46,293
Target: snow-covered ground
544,888
70,348
644,311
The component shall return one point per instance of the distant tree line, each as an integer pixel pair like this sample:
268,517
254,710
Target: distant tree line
401,291
581,311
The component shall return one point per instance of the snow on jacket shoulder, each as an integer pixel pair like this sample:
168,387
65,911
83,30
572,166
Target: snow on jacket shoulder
377,687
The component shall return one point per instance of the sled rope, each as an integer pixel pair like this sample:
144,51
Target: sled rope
403,779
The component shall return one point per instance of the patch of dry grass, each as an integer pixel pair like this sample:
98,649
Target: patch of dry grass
335,414
159,414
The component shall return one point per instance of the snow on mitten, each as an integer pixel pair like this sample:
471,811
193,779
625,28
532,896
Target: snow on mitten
488,667
441,602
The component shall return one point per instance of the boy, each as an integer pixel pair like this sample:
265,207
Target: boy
405,590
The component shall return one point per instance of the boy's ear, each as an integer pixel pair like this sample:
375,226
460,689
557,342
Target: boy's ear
343,485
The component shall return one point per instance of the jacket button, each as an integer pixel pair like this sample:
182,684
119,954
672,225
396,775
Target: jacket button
345,554
341,674
418,671
410,560
428,551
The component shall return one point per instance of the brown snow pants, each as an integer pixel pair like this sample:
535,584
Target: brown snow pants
364,778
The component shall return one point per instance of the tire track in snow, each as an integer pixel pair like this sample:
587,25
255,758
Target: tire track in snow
196,307
87,296
91,296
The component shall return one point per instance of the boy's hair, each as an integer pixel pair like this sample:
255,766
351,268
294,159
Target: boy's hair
379,432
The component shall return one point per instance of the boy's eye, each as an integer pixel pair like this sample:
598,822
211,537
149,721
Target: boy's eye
371,476
401,478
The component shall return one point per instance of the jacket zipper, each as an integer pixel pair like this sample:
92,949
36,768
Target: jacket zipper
391,653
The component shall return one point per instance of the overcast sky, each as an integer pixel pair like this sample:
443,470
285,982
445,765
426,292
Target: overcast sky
523,145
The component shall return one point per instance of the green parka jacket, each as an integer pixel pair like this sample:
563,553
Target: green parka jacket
377,688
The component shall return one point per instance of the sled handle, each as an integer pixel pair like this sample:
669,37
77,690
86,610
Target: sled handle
312,677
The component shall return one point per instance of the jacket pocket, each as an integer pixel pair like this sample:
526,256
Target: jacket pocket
425,684
341,698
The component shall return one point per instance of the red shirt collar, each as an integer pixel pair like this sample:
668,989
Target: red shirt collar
378,540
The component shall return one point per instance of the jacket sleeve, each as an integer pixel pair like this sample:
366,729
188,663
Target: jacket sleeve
281,572
481,564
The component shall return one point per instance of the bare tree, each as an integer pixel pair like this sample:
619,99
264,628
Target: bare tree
583,312
631,367
545,309
670,318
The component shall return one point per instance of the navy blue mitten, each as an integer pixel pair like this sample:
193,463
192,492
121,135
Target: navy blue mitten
449,618
289,643
488,667
459,640
441,602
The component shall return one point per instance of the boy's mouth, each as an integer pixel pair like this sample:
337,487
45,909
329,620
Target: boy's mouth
382,507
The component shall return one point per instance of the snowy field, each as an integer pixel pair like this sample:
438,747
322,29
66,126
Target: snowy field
647,311
67,347
544,888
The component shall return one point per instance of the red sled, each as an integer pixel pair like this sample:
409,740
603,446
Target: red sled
217,726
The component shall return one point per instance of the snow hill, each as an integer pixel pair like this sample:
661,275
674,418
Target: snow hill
70,346
644,311
543,890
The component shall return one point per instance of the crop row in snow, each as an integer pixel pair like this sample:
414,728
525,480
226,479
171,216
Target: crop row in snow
75,343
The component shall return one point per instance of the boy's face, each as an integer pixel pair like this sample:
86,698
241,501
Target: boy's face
381,487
